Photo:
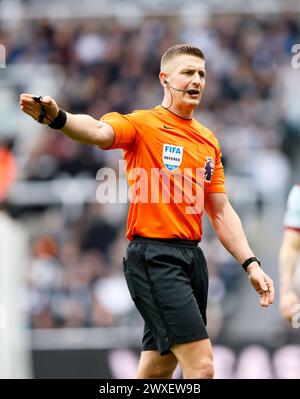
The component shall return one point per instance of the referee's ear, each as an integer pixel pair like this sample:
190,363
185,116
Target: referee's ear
163,79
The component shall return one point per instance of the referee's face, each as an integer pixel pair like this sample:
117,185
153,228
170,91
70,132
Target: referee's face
186,73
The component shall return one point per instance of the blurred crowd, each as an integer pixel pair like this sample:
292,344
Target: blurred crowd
75,275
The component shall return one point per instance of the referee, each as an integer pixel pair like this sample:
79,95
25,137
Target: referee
164,267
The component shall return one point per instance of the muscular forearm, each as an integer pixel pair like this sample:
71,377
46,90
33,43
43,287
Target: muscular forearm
82,128
230,232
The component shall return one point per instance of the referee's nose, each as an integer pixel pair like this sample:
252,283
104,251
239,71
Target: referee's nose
197,81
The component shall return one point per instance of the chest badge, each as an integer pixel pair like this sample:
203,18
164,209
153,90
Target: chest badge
172,156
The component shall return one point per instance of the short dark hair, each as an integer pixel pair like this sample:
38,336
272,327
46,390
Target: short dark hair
180,49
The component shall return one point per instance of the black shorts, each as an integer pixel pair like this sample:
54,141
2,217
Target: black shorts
168,281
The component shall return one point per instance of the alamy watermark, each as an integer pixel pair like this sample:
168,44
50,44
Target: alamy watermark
296,315
153,186
2,56
296,57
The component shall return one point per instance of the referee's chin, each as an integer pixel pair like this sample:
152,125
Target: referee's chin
191,100
192,103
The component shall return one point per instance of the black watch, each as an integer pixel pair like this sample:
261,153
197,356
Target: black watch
250,260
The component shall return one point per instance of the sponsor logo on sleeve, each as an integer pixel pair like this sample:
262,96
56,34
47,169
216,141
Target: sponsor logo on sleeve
209,169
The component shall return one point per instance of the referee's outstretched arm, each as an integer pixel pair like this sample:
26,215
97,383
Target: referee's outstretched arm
81,128
230,232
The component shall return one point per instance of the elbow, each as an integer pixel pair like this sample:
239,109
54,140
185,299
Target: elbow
105,136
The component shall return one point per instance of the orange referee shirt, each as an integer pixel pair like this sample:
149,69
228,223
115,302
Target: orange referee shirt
171,165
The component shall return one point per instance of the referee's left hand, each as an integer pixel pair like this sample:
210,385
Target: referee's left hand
263,284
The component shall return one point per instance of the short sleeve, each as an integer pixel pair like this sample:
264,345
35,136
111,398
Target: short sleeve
292,215
125,131
217,183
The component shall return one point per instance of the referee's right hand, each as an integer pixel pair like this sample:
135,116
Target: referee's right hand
33,108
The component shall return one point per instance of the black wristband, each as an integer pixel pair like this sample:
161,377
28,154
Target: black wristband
250,260
60,121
